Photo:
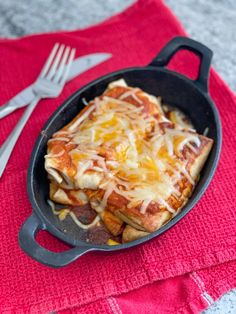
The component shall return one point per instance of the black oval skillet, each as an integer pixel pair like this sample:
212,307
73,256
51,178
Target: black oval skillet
191,96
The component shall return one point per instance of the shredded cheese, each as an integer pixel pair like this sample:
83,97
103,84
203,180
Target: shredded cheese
145,205
81,118
84,101
63,213
134,154
132,93
81,225
55,155
206,131
63,139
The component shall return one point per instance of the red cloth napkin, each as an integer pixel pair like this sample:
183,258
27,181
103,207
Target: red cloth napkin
189,293
179,271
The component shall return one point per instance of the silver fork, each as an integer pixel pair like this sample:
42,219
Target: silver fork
49,84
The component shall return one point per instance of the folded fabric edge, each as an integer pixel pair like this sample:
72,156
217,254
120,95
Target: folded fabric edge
207,295
201,298
221,280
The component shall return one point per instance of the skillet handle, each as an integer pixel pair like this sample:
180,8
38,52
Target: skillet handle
27,242
179,43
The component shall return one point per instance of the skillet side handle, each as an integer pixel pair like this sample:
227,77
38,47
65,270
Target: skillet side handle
27,242
179,43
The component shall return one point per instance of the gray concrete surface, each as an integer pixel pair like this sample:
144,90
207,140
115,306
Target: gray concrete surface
212,22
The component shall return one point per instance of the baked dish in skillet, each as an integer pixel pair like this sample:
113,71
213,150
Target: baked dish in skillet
127,162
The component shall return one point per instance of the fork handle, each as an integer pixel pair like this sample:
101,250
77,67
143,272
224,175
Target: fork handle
9,144
19,100
7,109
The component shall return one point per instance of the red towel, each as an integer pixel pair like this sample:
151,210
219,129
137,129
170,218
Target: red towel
183,270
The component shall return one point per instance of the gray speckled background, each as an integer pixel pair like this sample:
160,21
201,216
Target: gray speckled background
212,22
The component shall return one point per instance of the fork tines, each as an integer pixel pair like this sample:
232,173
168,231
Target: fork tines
58,63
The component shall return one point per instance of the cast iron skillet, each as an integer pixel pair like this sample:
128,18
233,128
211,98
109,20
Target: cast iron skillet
191,96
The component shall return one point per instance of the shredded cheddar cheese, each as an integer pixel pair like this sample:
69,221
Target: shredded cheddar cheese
119,148
129,161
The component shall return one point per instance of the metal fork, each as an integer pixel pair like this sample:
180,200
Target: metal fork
49,84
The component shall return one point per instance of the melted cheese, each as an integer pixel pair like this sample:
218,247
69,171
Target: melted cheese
128,152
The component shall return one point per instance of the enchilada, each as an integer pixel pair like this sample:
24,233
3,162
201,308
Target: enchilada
131,162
